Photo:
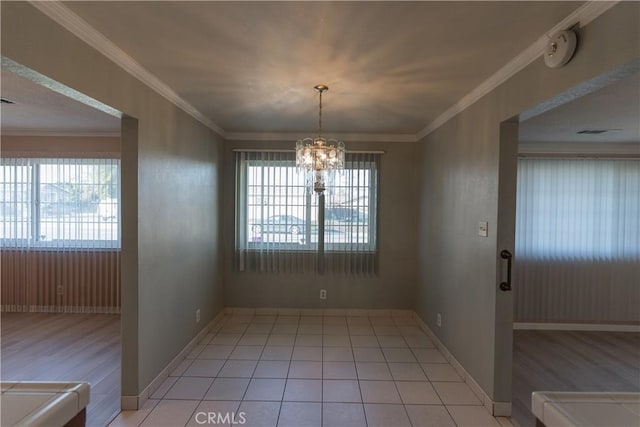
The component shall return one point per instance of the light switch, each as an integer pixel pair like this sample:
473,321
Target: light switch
483,228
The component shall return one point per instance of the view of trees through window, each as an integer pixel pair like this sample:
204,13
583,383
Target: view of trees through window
49,202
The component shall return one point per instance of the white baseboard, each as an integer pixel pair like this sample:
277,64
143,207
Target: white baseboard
497,409
136,402
576,327
355,312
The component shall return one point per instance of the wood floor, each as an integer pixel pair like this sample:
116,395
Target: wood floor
572,361
61,347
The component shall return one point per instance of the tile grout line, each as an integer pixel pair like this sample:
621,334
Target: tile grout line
228,358
220,370
404,406
285,381
324,328
168,389
208,388
356,368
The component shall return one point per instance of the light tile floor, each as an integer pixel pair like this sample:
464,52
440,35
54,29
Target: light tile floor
331,371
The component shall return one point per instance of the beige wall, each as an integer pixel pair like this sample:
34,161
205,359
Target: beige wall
171,186
60,146
394,287
467,175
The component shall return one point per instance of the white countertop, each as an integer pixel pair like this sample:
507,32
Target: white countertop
28,403
592,409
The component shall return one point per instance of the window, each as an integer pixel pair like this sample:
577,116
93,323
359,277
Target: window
277,215
59,203
578,209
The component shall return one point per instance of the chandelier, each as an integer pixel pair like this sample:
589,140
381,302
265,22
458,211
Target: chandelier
319,158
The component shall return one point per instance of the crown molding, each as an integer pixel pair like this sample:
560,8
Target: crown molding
582,15
81,29
582,89
579,149
85,32
346,137
65,133
55,86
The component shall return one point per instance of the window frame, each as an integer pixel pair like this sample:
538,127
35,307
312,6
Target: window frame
311,201
35,204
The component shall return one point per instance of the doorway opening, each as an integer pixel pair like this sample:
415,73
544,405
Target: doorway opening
60,234
577,250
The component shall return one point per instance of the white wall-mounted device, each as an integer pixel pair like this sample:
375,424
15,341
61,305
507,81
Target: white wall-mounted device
560,48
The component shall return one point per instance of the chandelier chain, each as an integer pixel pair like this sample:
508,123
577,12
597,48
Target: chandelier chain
320,117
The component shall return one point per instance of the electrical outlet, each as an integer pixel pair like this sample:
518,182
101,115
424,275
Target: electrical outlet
60,290
439,320
323,294
198,316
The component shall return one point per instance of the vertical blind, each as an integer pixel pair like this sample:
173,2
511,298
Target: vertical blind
277,218
577,240
578,209
60,234
59,203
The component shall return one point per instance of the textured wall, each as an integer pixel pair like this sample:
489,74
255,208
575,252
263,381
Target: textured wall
465,167
394,287
171,175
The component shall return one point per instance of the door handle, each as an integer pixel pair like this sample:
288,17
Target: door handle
505,254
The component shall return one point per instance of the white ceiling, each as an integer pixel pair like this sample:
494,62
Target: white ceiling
392,67
39,110
615,108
